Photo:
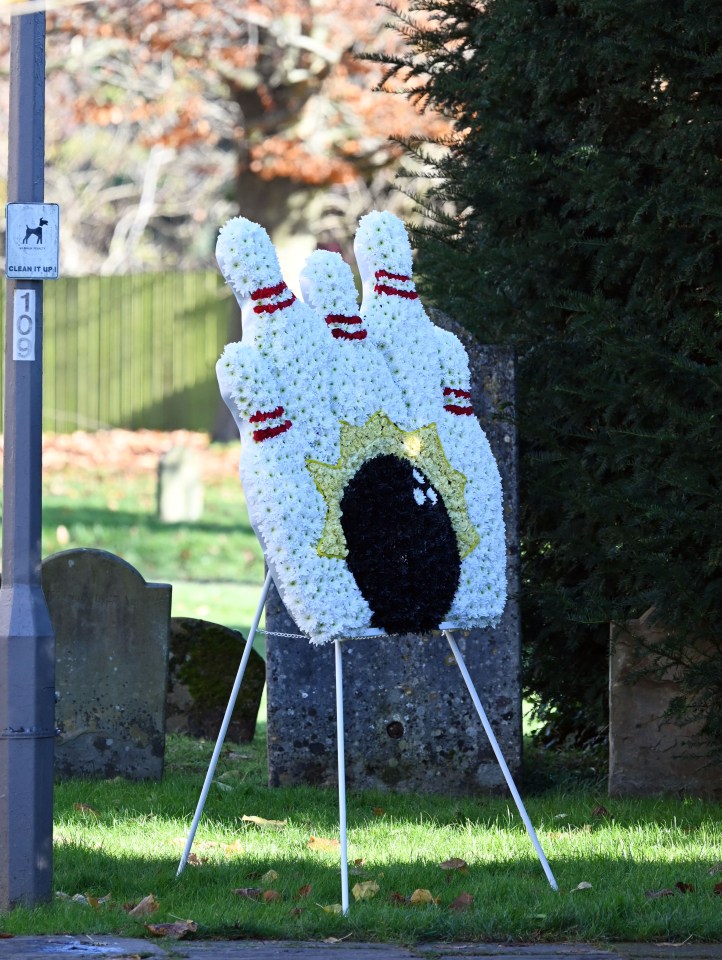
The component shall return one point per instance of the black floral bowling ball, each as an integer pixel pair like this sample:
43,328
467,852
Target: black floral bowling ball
402,548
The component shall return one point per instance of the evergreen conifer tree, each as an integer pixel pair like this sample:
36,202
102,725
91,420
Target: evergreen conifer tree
578,215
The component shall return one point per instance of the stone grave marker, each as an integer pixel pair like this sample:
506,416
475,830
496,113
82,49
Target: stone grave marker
180,486
409,721
111,636
202,664
650,754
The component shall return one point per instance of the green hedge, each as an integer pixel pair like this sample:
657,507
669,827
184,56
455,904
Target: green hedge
135,351
577,216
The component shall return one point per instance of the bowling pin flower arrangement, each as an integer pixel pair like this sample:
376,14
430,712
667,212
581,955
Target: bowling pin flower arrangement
369,482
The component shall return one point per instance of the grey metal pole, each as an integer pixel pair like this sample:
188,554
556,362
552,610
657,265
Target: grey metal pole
27,647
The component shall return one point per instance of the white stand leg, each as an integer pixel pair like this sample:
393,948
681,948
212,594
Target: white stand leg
224,726
341,778
500,758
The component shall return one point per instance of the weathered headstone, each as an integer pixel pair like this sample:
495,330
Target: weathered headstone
202,666
111,636
409,721
180,486
650,754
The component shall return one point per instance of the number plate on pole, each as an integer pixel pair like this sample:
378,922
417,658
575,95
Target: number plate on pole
24,325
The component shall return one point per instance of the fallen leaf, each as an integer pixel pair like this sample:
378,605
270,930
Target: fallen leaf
79,898
366,890
718,888
272,896
455,863
265,824
600,811
398,899
303,891
323,843
583,886
462,902
176,930
336,939
296,911
224,787
147,905
378,811
249,893
684,887
654,894
235,847
85,808
358,867
331,908
421,896
97,901
7,936
269,876
715,868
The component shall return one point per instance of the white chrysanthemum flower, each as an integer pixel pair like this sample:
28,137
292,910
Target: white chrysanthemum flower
382,243
301,379
358,374
327,284
246,256
244,379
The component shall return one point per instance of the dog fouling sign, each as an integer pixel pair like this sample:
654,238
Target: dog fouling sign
32,241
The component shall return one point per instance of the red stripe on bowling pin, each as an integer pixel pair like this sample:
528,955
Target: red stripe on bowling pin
267,293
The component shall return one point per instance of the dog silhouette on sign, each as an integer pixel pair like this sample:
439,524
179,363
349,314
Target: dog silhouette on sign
36,232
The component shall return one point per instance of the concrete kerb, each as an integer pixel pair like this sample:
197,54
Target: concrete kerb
120,948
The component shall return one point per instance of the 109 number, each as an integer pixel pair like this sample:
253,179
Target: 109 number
24,325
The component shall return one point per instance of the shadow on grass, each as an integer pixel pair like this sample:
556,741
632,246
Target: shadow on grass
558,769
290,893
122,519
125,839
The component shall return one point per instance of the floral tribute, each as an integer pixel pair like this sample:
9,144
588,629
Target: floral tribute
369,482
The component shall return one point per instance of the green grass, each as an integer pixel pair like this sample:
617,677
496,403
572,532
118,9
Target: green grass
215,564
120,516
128,846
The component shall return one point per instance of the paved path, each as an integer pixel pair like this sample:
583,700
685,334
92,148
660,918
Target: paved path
118,948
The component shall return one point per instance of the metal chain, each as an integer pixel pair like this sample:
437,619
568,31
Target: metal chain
303,636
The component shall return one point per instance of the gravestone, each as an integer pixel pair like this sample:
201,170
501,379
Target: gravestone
111,639
180,486
202,665
649,753
410,723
